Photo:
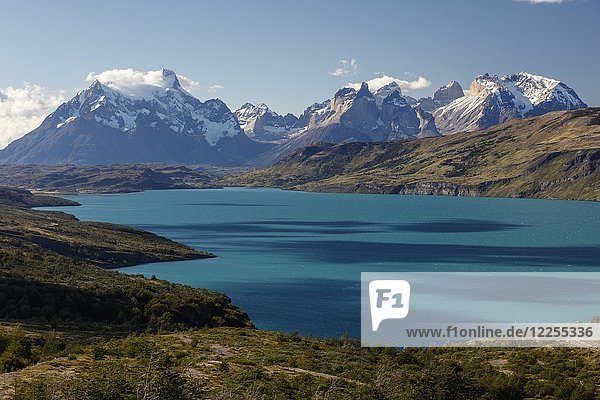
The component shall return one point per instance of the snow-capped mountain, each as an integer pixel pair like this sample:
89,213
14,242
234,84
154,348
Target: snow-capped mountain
493,100
358,113
152,119
377,112
261,123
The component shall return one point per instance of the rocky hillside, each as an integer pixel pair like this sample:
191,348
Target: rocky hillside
377,110
556,155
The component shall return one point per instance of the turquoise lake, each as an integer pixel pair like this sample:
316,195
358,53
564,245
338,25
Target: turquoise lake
293,260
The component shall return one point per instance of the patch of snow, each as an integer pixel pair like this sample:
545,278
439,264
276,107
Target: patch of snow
449,85
463,112
129,120
536,88
214,131
98,103
522,103
68,120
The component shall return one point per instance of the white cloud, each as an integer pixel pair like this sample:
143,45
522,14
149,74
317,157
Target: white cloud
140,84
214,89
23,109
187,83
542,1
345,68
379,82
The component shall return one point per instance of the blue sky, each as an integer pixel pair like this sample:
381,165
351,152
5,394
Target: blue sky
283,53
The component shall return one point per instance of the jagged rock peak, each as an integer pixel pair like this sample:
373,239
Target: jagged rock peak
364,90
448,93
345,91
396,99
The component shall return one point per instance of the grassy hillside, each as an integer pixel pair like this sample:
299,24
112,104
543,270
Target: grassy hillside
230,363
556,155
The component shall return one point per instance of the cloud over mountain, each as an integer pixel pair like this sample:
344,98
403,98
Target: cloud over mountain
379,82
23,109
129,81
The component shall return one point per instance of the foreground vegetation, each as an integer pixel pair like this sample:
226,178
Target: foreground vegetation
556,155
54,290
230,363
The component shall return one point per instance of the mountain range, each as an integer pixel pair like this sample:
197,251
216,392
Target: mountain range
356,115
159,121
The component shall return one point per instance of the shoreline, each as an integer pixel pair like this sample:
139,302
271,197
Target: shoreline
307,190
